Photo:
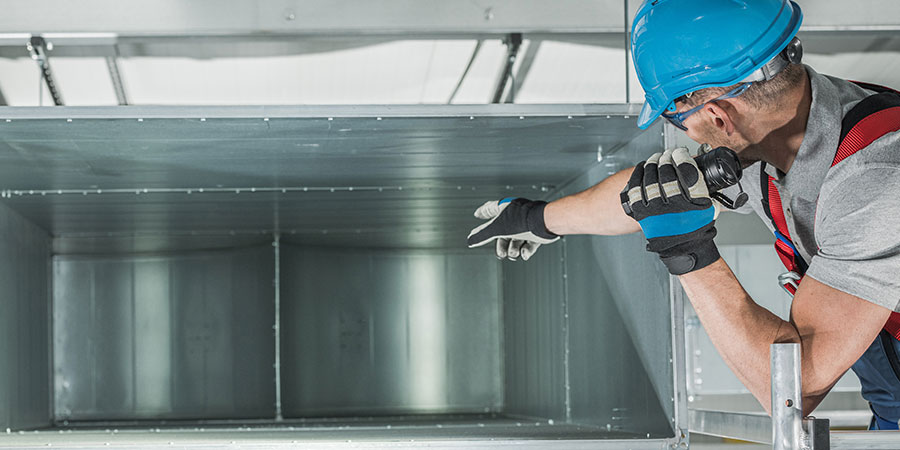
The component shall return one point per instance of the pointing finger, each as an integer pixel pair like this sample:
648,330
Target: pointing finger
488,210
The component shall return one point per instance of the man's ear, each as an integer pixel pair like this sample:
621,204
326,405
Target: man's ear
719,117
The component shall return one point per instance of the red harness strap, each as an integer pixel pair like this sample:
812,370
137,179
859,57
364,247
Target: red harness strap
784,246
867,131
870,121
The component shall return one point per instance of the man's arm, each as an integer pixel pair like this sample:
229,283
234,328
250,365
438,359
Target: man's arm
519,226
833,328
597,210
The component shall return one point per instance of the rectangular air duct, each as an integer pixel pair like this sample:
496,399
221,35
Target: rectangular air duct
269,275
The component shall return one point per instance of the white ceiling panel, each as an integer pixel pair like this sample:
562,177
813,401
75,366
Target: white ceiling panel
445,66
403,72
478,86
20,81
84,81
575,73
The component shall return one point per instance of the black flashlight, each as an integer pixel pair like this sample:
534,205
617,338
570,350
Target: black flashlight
721,169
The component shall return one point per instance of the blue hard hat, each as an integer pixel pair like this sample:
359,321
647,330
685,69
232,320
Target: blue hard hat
681,46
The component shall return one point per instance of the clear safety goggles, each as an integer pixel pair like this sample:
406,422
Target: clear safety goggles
677,119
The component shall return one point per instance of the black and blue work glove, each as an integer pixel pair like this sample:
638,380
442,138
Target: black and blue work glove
668,197
517,224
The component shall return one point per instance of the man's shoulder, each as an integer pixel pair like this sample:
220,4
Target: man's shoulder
862,167
869,173
860,193
849,92
880,145
857,227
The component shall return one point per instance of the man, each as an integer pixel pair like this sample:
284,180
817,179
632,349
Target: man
728,74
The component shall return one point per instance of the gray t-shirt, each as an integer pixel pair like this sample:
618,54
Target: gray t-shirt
845,220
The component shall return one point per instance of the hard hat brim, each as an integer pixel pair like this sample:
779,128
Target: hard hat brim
648,115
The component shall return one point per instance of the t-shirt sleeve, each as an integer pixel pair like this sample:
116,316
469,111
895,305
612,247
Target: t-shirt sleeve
858,235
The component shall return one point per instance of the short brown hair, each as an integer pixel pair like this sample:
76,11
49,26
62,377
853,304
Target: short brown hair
760,94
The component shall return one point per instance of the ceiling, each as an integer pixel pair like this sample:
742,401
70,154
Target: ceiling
317,52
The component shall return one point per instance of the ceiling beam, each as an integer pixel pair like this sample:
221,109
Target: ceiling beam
255,46
348,17
115,76
139,18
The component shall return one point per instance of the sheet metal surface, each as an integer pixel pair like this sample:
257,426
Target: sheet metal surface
408,179
571,352
24,323
534,325
638,283
608,380
166,336
440,434
368,332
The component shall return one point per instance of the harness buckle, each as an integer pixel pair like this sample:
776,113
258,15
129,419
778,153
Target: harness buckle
789,281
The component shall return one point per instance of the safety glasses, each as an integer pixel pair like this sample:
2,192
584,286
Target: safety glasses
677,119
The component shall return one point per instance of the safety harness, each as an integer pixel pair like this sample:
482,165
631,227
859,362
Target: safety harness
872,118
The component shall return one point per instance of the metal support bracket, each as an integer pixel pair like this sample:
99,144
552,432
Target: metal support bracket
819,433
680,419
521,74
38,47
513,43
115,76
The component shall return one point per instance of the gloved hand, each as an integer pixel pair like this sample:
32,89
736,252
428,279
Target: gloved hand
668,197
516,224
